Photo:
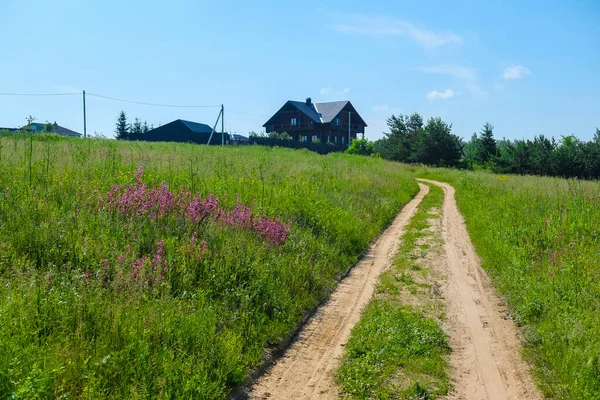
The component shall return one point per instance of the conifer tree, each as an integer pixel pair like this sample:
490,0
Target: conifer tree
487,143
122,127
136,130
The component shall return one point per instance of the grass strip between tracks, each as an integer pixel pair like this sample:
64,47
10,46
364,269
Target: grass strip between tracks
398,348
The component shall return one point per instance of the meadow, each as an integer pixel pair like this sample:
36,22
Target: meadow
539,240
138,270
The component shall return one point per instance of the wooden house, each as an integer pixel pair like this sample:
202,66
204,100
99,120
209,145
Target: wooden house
332,122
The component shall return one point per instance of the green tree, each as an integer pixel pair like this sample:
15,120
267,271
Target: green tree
122,127
472,152
437,145
362,147
400,143
540,155
567,159
488,143
135,132
48,127
279,135
145,127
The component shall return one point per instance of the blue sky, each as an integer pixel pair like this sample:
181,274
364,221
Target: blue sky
528,67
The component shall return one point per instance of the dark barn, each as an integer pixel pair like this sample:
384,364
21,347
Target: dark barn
184,132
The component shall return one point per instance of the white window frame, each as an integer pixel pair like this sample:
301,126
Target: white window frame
294,122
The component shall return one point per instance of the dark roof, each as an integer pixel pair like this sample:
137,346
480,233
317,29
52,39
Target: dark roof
59,130
196,127
306,109
320,112
241,138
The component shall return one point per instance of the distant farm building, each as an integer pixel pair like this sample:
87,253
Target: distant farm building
240,139
335,122
45,128
184,132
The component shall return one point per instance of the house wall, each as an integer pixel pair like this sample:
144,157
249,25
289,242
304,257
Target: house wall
281,122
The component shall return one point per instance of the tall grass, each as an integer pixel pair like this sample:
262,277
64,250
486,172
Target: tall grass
539,238
152,270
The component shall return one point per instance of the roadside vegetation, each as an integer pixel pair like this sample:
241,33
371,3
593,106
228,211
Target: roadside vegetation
539,239
398,348
153,270
412,140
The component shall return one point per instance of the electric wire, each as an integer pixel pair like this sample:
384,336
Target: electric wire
245,113
37,94
151,104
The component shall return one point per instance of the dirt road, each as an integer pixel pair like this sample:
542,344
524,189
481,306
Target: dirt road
485,360
305,370
486,353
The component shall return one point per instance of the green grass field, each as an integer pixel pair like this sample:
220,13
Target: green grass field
137,270
539,239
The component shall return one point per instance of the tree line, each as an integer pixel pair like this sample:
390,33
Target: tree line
410,140
130,131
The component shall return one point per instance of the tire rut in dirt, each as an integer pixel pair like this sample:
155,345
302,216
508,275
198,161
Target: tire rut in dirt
306,368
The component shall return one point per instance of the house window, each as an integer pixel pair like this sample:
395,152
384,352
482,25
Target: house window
335,138
294,122
304,138
343,139
337,121
328,139
314,138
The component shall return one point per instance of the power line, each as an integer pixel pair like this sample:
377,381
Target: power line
150,104
38,94
245,113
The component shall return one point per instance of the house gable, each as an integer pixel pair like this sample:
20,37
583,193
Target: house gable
335,111
291,108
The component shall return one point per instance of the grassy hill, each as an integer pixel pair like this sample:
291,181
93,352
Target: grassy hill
137,270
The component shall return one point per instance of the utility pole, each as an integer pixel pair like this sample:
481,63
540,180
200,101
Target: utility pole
349,122
222,125
84,117
215,126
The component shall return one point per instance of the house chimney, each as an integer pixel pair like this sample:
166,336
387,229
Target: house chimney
308,101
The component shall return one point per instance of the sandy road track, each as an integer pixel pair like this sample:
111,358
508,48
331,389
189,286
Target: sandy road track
486,358
305,370
486,352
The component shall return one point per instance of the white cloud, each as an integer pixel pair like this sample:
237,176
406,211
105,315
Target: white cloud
457,72
390,27
467,76
331,91
446,94
515,72
386,109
